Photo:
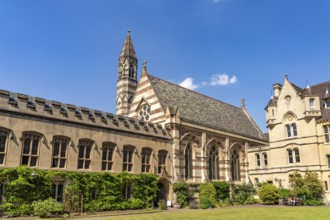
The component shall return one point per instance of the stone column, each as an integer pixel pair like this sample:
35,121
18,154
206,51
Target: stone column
204,158
227,159
246,161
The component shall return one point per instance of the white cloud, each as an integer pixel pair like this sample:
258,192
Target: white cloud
222,79
233,79
189,83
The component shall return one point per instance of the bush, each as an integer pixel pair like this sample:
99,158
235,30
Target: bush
268,194
284,193
47,208
222,190
206,203
207,190
251,200
135,203
11,210
240,193
193,204
313,202
309,188
182,192
5,207
162,205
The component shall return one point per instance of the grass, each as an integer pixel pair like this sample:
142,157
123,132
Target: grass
241,213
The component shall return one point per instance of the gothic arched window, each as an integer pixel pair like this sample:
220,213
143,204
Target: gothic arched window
214,164
146,155
128,158
3,138
131,71
188,161
235,166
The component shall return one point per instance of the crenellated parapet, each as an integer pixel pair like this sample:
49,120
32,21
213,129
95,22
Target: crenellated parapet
22,104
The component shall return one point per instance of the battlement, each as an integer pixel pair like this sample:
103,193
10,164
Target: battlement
39,107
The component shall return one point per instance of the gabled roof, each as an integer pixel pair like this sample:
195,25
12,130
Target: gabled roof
128,48
272,102
320,90
203,110
297,88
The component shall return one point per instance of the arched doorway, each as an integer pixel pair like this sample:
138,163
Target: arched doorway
163,191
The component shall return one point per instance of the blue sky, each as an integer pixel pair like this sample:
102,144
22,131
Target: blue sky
67,50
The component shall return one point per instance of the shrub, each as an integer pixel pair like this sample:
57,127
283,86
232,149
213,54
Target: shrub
182,192
313,202
268,194
222,190
11,210
284,193
5,207
193,204
251,200
308,187
47,208
162,205
206,203
134,203
207,190
240,193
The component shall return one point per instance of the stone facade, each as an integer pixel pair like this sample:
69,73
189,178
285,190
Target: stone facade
297,120
159,128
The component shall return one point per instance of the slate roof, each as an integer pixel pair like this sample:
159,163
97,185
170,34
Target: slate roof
128,48
203,110
320,90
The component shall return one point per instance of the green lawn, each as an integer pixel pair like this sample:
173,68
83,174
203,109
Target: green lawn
239,213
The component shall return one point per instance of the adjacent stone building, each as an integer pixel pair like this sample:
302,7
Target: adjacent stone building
159,128
298,121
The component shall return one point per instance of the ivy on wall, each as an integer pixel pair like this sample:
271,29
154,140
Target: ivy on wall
85,191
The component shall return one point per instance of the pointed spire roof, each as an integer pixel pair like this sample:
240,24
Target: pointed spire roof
128,49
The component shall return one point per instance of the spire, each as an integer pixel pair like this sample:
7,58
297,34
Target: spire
128,49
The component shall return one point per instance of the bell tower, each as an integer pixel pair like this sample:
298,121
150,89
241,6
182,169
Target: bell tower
127,75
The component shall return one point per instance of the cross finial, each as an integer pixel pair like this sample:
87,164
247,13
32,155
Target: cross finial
286,76
145,64
243,103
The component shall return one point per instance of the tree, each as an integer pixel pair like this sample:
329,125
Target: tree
308,187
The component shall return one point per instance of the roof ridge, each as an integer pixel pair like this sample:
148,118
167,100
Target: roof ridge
195,92
322,83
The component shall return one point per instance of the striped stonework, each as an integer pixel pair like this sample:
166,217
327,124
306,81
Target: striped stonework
146,94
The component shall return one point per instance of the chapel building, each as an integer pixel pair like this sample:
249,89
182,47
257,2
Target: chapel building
159,128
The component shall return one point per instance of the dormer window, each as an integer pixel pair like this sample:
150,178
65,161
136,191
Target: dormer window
327,103
311,103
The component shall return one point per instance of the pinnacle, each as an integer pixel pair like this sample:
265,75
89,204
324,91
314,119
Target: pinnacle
128,48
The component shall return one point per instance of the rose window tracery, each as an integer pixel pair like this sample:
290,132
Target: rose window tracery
144,112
